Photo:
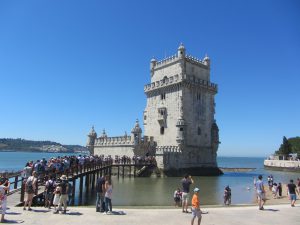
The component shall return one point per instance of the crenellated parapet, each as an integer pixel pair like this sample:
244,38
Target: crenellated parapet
114,141
178,78
167,149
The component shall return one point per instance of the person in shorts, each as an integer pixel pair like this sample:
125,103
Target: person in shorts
292,190
196,211
260,191
186,183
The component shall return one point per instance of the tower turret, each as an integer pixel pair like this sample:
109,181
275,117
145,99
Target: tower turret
206,60
91,140
181,126
152,65
181,51
136,133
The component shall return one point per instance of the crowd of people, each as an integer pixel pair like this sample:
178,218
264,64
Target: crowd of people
276,189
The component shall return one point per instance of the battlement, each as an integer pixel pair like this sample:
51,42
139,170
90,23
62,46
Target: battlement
177,79
195,60
114,141
166,149
174,58
166,61
164,82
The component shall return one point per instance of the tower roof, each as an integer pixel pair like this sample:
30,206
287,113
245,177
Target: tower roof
181,47
136,128
93,132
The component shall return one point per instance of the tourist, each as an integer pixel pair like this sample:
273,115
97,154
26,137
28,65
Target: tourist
177,197
27,171
292,190
49,189
30,188
227,195
63,194
274,190
259,185
100,188
298,184
186,183
196,211
279,190
5,181
56,197
70,192
108,195
3,199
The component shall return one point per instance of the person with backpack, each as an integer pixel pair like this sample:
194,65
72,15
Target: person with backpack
49,189
30,187
63,194
100,189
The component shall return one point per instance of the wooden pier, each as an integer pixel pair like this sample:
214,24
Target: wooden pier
87,176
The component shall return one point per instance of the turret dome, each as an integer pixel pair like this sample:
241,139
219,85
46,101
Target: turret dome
136,128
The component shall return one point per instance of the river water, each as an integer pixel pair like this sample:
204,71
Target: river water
159,191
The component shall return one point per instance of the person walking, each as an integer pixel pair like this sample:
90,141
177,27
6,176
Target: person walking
49,189
186,183
196,211
227,195
3,199
63,199
30,189
260,191
292,190
108,196
100,189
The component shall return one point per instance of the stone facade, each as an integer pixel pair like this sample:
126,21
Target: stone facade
179,124
179,114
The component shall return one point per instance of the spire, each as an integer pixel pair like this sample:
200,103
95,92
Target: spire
136,128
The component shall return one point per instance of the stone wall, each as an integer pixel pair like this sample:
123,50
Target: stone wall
282,163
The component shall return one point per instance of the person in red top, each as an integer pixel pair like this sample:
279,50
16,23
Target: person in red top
196,207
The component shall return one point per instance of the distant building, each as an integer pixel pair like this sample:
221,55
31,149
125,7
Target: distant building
180,129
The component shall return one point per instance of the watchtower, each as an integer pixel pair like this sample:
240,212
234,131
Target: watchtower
179,113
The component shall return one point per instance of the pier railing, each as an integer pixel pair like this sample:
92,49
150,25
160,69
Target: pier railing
87,169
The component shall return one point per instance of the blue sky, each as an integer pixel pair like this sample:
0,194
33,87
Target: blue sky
68,65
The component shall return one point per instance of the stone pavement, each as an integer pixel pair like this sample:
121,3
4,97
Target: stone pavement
245,215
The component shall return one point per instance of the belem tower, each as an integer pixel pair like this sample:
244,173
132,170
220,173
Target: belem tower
179,124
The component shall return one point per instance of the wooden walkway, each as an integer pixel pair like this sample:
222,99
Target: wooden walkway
88,173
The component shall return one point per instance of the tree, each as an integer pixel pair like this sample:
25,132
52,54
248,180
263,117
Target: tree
285,148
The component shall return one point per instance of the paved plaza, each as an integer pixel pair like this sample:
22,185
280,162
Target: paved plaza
245,215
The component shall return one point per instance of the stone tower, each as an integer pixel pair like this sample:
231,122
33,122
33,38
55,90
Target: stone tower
179,114
91,140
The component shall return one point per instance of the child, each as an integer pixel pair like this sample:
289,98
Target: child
177,197
56,197
196,211
274,190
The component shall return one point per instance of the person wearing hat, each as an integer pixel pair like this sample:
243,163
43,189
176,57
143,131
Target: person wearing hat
196,212
64,194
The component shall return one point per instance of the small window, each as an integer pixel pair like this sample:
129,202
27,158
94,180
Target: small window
199,131
198,96
181,129
163,96
162,130
145,117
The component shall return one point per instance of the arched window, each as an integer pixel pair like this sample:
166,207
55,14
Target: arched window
162,130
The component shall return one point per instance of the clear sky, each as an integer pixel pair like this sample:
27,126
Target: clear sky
68,65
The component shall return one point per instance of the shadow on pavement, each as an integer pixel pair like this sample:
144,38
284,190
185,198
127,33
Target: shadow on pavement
13,221
74,214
